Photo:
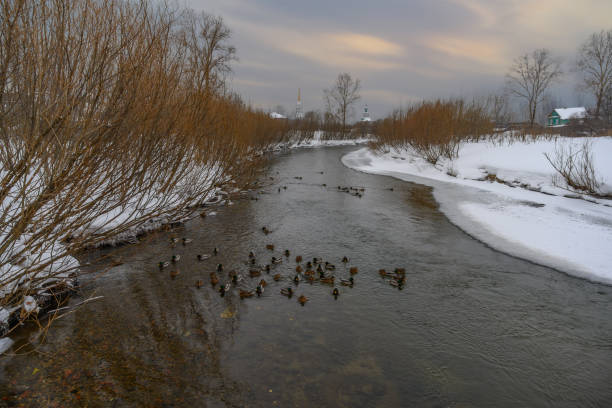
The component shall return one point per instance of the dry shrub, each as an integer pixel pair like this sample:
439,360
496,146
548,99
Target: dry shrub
575,166
114,116
434,129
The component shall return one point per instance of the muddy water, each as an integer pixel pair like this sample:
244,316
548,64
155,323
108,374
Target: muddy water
471,328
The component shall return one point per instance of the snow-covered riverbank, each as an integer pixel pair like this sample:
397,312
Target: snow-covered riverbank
521,212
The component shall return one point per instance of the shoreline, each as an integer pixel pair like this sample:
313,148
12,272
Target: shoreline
495,215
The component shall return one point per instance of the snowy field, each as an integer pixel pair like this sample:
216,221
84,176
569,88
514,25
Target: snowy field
522,212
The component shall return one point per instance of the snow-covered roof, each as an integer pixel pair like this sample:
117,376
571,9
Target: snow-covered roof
571,113
276,115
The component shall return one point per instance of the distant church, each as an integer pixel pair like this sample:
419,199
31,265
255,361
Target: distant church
299,114
365,116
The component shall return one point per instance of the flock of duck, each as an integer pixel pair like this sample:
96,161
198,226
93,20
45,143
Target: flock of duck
314,270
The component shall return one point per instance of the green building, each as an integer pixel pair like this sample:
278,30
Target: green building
561,117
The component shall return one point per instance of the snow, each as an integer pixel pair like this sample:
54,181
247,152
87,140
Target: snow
525,214
276,115
318,141
571,113
5,344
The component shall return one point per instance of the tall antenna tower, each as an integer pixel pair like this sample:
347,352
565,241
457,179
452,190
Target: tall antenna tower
298,107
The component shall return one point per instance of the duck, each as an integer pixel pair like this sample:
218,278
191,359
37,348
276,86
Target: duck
287,253
309,265
224,288
187,241
277,277
203,257
302,299
382,272
199,284
276,260
251,255
298,259
220,268
287,292
296,279
400,271
335,292
323,185
174,273
265,229
330,267
316,260
353,270
263,283
214,279
254,272
252,261
259,290
345,260
245,293
309,272
267,268
310,278
176,258
347,282
328,279
163,265
216,251
270,247
174,240
298,269
319,269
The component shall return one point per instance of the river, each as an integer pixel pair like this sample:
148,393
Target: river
471,327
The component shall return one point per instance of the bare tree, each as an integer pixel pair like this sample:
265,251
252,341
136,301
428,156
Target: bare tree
595,64
340,98
530,76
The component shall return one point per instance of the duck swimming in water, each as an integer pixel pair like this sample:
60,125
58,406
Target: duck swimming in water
187,241
246,294
335,293
296,279
328,280
330,267
345,260
163,265
277,277
347,282
287,292
287,253
302,299
298,268
270,247
276,260
259,290
214,279
298,259
174,273
176,258
220,268
353,270
216,251
203,257
199,284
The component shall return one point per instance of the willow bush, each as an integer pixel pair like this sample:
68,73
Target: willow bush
114,115
434,129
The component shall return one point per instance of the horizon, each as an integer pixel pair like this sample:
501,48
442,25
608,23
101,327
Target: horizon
402,53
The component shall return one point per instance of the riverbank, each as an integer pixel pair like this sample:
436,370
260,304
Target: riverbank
61,273
504,195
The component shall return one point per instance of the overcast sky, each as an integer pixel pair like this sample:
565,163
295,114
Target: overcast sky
401,50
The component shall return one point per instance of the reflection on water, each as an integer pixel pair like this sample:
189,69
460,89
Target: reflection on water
472,327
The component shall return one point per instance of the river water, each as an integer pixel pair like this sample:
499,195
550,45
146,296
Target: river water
472,327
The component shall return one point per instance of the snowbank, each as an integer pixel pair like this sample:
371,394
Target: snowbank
504,196
317,141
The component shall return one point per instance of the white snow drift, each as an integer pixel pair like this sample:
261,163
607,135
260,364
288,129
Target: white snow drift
521,213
